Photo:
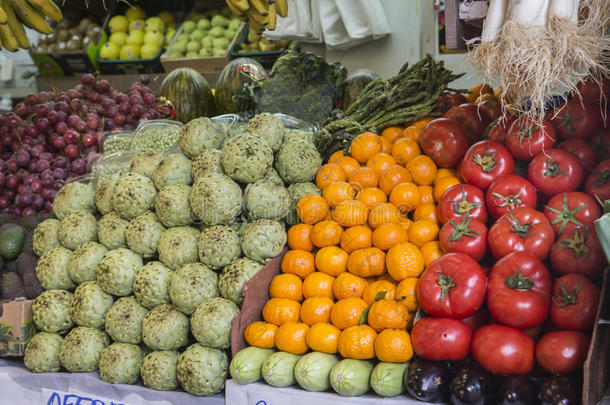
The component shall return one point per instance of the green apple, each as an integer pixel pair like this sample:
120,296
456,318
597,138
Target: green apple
167,17
192,54
136,25
135,13
219,21
207,42
184,37
118,38
135,38
110,50
175,55
204,24
217,32
179,47
129,51
197,35
118,23
148,51
169,34
154,37
229,34
193,46
189,26
205,52
155,24
220,43
234,23
219,52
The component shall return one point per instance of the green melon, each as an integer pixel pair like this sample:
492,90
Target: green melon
232,78
189,93
354,84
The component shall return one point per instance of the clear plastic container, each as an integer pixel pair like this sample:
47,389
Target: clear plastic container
226,120
155,136
108,165
116,141
295,127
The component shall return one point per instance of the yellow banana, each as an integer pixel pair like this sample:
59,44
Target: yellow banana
256,27
3,16
241,5
261,7
236,12
31,18
260,20
8,39
272,17
48,8
14,24
281,7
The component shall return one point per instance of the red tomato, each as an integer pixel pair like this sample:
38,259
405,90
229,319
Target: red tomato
453,286
441,339
472,119
501,349
598,182
449,99
576,121
579,251
526,138
590,92
510,192
521,230
554,171
563,351
493,108
444,141
462,200
581,150
468,236
601,143
484,162
519,290
570,210
574,304
477,319
497,130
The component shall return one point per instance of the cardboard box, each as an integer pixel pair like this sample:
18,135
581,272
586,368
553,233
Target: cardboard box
16,327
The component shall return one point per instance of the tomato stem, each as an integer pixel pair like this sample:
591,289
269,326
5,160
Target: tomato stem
577,244
568,121
462,229
552,168
565,215
445,282
511,201
602,178
520,229
486,161
567,297
464,206
518,282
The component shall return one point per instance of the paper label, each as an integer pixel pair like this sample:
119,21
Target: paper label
473,10
56,397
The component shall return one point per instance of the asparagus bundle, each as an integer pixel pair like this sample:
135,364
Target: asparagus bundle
409,96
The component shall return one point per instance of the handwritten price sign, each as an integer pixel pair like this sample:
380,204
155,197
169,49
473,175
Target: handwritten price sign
55,397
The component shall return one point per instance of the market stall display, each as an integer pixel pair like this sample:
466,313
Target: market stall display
16,14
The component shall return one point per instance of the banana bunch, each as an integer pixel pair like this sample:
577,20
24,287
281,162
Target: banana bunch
261,14
14,14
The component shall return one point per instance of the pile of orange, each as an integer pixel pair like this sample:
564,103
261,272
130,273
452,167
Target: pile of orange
348,283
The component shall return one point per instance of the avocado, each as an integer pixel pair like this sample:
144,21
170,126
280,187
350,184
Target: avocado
12,286
30,222
1,265
28,242
11,241
26,261
31,284
10,266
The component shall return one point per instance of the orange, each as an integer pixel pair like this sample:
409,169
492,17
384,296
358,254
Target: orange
299,237
379,288
316,309
323,337
350,213
411,133
364,146
443,172
336,156
387,314
478,90
427,195
426,211
286,285
404,150
348,285
260,334
393,346
366,262
312,208
431,251
347,312
392,133
380,162
404,260
329,173
281,310
331,260
357,342
386,145
384,214
356,237
371,196
422,169
363,178
318,284
443,184
348,164
298,262
387,235
406,293
421,124
386,277
336,193
392,177
406,224
406,196
291,338
423,231
326,233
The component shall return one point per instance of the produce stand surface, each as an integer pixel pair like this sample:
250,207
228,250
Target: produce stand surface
25,388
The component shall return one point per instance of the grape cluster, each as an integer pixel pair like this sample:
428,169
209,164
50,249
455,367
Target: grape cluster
50,137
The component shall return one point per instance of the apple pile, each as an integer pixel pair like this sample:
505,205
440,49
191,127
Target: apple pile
50,137
134,36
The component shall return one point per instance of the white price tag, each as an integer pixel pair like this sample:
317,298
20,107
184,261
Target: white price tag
473,10
56,397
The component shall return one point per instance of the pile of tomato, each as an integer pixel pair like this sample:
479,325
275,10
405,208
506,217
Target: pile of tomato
516,292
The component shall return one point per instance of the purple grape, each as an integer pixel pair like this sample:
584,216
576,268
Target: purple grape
38,202
58,184
61,127
62,106
43,124
4,202
12,166
2,179
149,99
75,105
27,211
103,86
31,99
107,103
61,162
10,193
36,186
23,158
48,206
62,116
125,108
46,156
79,167
119,119
73,93
73,120
43,165
121,98
23,189
32,166
88,79
42,110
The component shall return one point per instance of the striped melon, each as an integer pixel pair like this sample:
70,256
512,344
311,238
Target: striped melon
189,93
354,84
232,78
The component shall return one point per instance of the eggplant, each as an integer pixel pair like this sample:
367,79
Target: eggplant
559,390
471,385
516,390
428,380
